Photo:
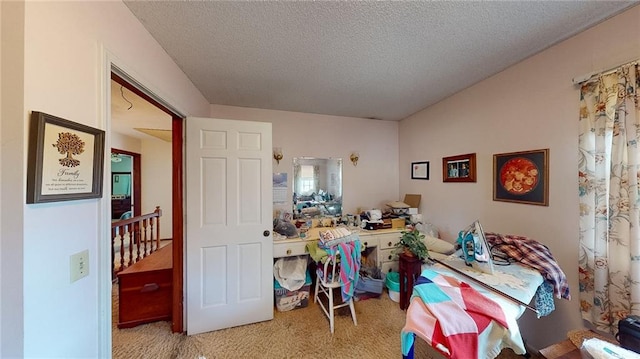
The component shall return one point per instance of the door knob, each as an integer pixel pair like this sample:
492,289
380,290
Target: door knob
266,233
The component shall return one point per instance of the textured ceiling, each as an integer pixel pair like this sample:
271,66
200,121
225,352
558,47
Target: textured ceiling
384,60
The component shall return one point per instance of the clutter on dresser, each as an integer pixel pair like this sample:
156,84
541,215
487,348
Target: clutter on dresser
375,219
398,208
285,228
406,209
372,220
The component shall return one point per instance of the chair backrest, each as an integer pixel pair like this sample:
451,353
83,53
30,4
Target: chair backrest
332,267
331,272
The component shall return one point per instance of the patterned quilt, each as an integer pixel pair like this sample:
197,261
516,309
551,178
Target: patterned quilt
444,287
449,315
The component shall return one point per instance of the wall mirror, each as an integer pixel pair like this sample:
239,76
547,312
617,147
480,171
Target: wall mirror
317,187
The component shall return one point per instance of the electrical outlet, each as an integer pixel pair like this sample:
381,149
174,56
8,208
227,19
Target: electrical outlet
79,265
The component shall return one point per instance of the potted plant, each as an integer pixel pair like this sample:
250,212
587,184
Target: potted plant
411,243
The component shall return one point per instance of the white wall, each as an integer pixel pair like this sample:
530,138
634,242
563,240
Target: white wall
157,182
12,134
371,184
126,143
1,337
532,105
64,75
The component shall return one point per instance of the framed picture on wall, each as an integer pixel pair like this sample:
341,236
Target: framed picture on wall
522,177
420,170
65,160
461,168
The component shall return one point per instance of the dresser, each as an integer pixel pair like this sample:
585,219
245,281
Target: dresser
145,290
119,206
382,241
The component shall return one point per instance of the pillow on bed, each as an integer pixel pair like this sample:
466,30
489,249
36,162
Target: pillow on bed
432,239
438,245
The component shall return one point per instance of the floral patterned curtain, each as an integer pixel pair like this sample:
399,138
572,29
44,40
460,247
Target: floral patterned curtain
608,171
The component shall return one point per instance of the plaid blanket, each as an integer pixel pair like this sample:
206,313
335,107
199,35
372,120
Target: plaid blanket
535,255
448,315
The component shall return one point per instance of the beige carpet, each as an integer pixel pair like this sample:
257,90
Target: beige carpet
301,333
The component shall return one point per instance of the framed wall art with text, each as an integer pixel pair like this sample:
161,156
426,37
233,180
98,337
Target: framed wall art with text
65,160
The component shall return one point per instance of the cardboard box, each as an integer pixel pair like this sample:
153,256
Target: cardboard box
413,200
287,300
397,223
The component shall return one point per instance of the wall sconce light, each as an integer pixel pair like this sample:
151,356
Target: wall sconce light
277,154
354,158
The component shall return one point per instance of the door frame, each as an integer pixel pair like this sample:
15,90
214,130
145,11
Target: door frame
177,124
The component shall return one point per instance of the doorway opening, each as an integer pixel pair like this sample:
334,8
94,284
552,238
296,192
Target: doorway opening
129,101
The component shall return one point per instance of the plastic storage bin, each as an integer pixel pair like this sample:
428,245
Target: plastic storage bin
369,285
288,300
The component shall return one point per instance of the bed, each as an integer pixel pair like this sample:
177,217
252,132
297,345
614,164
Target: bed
515,280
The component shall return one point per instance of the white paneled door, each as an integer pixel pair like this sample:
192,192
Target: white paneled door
229,246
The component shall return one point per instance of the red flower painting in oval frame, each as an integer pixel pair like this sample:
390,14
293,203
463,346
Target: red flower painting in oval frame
522,177
519,176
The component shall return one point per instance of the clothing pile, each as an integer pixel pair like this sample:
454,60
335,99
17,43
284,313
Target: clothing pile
536,256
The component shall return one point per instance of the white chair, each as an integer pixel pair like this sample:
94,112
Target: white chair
328,279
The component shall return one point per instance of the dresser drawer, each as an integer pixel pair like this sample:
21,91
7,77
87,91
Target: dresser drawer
144,297
289,249
387,255
388,240
368,241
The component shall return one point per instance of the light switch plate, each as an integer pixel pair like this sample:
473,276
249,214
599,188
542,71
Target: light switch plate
79,265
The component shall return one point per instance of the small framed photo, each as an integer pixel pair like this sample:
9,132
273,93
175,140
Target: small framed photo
461,168
522,177
65,160
420,170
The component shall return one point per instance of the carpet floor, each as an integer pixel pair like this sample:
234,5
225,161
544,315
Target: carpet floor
300,333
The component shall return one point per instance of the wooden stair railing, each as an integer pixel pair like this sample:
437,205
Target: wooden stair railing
138,237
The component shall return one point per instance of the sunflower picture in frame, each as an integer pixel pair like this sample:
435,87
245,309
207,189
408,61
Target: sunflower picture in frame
522,177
